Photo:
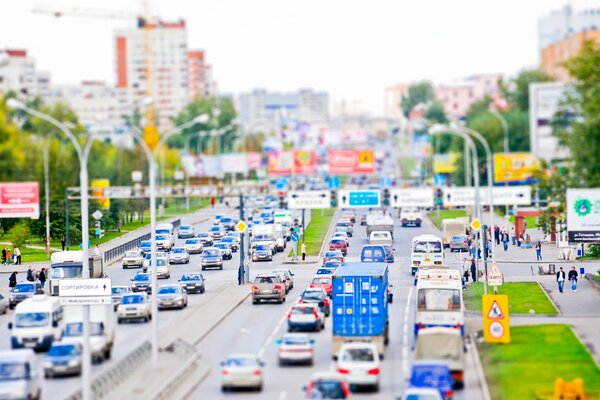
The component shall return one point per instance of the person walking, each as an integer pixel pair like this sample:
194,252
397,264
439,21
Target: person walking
42,277
573,279
4,256
212,202
505,240
497,234
473,271
303,251
12,280
17,253
538,251
8,257
30,276
513,235
96,251
560,279
63,242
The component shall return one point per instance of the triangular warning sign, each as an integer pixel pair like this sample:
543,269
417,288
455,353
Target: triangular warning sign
495,311
494,271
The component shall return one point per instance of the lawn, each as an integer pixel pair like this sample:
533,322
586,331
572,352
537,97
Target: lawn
437,218
522,297
537,355
33,255
317,230
531,221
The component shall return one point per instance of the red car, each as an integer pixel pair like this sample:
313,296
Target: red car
322,282
339,244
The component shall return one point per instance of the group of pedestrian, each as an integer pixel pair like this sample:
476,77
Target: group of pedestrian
11,257
31,276
572,277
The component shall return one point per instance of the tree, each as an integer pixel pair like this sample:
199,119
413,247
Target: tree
420,92
517,90
435,113
19,234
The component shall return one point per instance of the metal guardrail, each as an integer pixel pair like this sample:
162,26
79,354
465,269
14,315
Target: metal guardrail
183,350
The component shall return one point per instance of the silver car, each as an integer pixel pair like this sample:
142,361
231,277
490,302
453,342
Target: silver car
117,294
242,371
134,259
194,246
171,296
179,255
134,306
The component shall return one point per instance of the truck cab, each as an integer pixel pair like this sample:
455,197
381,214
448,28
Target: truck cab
102,329
20,372
68,265
411,216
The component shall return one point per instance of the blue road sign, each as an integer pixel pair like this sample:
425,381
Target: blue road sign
364,199
385,181
439,180
282,183
333,182
295,237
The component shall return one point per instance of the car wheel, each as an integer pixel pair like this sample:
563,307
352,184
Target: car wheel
203,269
119,321
283,301
376,387
47,375
202,290
259,388
254,301
124,267
224,388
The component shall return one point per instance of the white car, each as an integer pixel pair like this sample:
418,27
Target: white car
242,370
304,316
360,364
342,235
159,254
164,242
3,304
179,255
134,306
295,348
194,246
163,271
421,394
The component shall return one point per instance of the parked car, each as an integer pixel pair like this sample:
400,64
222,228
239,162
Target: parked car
217,232
133,258
242,371
193,283
186,232
262,252
459,243
304,316
232,242
339,244
322,282
434,375
206,238
171,296
179,255
117,294
193,246
134,306
327,385
333,255
3,304
63,359
211,258
317,296
22,291
225,249
295,348
268,287
359,363
141,282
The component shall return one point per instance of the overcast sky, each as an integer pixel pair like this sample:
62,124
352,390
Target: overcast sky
351,48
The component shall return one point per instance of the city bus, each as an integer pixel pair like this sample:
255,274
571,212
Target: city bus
426,250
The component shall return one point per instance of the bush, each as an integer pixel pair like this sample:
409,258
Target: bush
19,234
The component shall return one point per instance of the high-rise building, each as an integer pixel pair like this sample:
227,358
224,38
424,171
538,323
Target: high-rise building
565,22
200,78
554,55
19,74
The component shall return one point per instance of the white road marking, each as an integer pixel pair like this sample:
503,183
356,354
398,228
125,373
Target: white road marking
282,395
405,334
271,337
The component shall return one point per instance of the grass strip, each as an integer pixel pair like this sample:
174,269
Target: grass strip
522,297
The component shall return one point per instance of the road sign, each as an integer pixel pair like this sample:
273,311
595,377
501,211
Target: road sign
439,180
97,215
19,200
494,276
85,300
84,287
282,183
476,224
411,197
496,320
385,181
241,226
359,198
309,199
503,196
295,237
333,182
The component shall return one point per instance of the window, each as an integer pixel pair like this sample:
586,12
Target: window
438,300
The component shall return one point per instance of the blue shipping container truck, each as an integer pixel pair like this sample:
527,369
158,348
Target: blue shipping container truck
360,306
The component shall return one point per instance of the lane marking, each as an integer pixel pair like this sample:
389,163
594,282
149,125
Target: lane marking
405,334
282,395
271,337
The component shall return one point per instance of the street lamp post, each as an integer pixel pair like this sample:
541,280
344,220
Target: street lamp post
504,123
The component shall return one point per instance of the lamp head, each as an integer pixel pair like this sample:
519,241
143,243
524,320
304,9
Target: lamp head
15,104
201,119
437,128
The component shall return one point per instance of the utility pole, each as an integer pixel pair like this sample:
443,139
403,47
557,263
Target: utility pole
47,197
241,278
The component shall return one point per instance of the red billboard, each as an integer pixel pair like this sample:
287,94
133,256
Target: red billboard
304,162
19,200
292,162
351,162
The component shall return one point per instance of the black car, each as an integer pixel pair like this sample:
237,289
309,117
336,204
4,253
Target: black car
141,282
193,283
316,296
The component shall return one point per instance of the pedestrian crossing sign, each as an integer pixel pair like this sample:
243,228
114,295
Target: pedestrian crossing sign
496,320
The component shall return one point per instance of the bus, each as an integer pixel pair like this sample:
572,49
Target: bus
439,300
426,250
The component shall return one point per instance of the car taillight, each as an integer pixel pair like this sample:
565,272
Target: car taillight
437,262
448,394
257,372
343,371
300,300
225,372
326,302
315,313
374,371
416,262
277,287
289,315
254,288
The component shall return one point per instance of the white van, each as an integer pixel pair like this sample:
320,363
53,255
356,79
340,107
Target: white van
20,375
102,329
383,238
453,227
37,323
426,250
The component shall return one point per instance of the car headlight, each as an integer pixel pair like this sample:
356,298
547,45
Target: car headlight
74,363
47,364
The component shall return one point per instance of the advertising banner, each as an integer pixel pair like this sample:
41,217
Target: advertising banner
280,162
98,186
254,160
19,200
583,215
304,162
445,163
202,166
234,163
515,168
342,162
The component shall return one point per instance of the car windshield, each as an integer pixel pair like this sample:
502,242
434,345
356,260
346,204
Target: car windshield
161,237
13,371
192,241
161,262
211,253
459,238
327,390
32,319
361,355
119,289
262,247
59,272
331,264
313,296
295,340
215,229
226,220
303,310
178,250
429,375
132,299
202,234
265,279
145,244
324,271
24,288
332,254
228,239
263,237
185,228
241,362
427,247
132,254
421,397
438,299
191,278
322,280
76,329
223,246
168,290
63,350
141,278
338,241
343,224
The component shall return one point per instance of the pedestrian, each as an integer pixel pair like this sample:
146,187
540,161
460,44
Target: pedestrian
505,240
30,276
466,274
17,253
473,271
212,202
96,251
303,251
513,235
573,279
63,242
42,277
538,250
8,257
497,234
12,280
4,256
560,278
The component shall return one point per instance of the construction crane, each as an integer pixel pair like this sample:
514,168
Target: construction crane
143,21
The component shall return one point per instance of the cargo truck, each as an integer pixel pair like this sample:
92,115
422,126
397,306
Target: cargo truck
360,304
380,222
102,329
68,264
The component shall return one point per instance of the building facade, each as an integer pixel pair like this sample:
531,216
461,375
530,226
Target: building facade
457,98
554,55
393,100
18,73
200,78
566,22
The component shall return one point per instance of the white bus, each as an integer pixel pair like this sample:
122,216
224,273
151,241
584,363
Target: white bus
426,250
439,300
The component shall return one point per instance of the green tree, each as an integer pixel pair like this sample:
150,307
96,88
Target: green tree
435,113
517,90
19,234
420,92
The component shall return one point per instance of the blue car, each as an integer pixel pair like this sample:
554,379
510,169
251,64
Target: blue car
432,374
145,246
389,254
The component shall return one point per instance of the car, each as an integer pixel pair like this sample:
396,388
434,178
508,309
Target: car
193,246
363,220
339,244
141,282
267,217
420,394
117,293
333,264
63,359
459,243
3,304
236,235
164,242
186,232
389,254
206,238
217,219
225,249
217,232
349,215
133,258
304,316
193,283
171,296
159,254
228,223
267,287
327,385
163,271
262,252
333,255
179,255
325,271
317,296
344,226
322,282
134,306
295,348
289,275
145,246
242,371
232,242
22,291
285,281
359,363
432,374
211,258
343,236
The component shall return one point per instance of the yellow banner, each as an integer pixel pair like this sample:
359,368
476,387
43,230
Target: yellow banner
98,186
515,168
445,163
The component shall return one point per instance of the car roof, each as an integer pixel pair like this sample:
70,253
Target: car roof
327,375
357,345
242,355
16,355
428,391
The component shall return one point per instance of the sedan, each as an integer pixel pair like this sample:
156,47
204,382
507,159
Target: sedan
141,283
211,258
63,359
171,296
148,256
232,242
133,258
228,223
459,243
206,238
295,348
305,316
217,219
163,271
242,371
322,282
193,283
226,252
327,385
186,231
262,252
3,304
316,296
145,246
163,242
343,236
117,294
344,226
339,244
194,246
134,306
217,232
22,291
179,255
335,255
360,364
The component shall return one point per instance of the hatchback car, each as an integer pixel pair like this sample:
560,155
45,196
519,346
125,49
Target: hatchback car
134,306
186,232
133,259
193,283
359,363
225,249
316,296
211,258
206,238
242,371
63,359
339,244
141,282
117,293
22,291
335,255
305,316
179,255
268,287
434,375
262,252
171,296
232,242
459,243
322,282
193,246
420,394
327,385
295,348
217,232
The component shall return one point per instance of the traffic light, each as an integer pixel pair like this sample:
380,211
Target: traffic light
439,197
334,198
386,197
282,203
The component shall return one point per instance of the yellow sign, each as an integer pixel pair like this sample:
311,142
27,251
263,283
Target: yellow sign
241,226
98,186
515,168
476,224
496,320
445,163
365,157
151,136
569,390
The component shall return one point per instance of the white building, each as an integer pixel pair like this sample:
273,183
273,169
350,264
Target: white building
566,22
18,74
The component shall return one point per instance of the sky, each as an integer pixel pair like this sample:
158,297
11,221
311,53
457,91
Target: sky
351,48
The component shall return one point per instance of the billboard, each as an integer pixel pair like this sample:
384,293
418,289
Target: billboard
234,163
445,163
583,215
19,200
544,101
98,186
342,162
291,162
254,160
515,168
304,162
202,166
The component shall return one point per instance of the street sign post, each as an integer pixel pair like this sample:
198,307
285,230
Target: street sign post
333,182
359,198
97,215
503,196
309,199
411,197
476,224
241,226
496,320
494,276
295,237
